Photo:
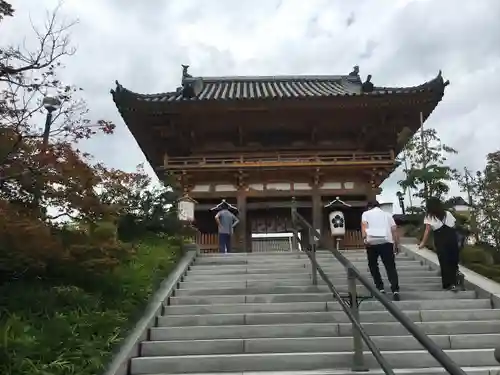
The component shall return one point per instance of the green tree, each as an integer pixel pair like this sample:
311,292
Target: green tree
426,171
143,204
469,184
488,192
32,157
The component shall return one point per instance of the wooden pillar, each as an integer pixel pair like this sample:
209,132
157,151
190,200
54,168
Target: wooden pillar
317,211
241,229
241,202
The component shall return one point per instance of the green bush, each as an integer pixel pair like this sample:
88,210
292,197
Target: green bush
474,254
55,329
491,272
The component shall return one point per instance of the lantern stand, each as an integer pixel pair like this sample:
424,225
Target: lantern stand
185,214
185,209
337,221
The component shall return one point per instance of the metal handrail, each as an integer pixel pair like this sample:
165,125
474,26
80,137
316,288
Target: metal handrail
352,312
353,273
350,309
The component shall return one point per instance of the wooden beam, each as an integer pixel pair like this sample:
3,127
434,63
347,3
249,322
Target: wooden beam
280,204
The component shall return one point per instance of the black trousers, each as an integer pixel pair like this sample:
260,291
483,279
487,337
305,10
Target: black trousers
448,262
448,252
386,252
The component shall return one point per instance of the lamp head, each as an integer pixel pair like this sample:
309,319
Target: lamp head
51,103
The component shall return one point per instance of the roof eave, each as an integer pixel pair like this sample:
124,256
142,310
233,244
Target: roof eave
121,94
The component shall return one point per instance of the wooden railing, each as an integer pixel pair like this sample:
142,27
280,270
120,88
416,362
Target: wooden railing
278,159
209,242
353,239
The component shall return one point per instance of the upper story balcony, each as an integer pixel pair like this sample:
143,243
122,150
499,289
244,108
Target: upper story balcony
279,160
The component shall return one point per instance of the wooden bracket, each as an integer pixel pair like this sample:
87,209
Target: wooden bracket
241,179
317,177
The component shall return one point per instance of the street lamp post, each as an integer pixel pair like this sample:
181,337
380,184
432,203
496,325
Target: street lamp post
401,200
51,104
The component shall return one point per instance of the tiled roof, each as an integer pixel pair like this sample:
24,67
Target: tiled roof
276,87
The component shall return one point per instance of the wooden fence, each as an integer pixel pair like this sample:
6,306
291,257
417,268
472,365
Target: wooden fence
209,242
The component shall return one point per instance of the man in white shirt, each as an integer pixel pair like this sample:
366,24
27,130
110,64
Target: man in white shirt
381,240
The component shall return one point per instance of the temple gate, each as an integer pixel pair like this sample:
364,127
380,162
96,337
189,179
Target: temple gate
259,141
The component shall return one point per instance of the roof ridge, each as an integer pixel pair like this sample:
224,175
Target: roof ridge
276,78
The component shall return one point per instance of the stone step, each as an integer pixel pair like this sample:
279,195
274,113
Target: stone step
278,254
323,317
228,260
298,268
203,262
478,370
305,273
290,263
304,345
317,330
300,361
246,308
271,289
337,281
308,297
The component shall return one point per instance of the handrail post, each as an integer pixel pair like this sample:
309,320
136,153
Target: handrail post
293,212
314,267
358,361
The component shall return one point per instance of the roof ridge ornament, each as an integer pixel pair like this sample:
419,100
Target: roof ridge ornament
336,201
355,71
367,86
118,88
440,75
191,87
185,73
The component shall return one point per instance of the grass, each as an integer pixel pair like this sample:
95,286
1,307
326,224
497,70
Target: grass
57,329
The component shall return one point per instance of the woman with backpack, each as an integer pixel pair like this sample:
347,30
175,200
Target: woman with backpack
446,241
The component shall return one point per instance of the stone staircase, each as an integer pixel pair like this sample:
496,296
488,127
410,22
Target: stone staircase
259,312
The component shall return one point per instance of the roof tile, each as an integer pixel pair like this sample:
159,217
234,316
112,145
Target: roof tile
248,88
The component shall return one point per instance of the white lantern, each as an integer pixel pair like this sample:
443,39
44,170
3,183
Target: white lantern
337,223
185,208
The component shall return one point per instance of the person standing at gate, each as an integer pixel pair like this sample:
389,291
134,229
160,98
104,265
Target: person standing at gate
226,221
446,241
381,240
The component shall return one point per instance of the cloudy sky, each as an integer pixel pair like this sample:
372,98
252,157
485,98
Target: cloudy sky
400,42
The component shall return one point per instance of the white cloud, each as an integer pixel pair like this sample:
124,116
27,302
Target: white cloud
143,43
